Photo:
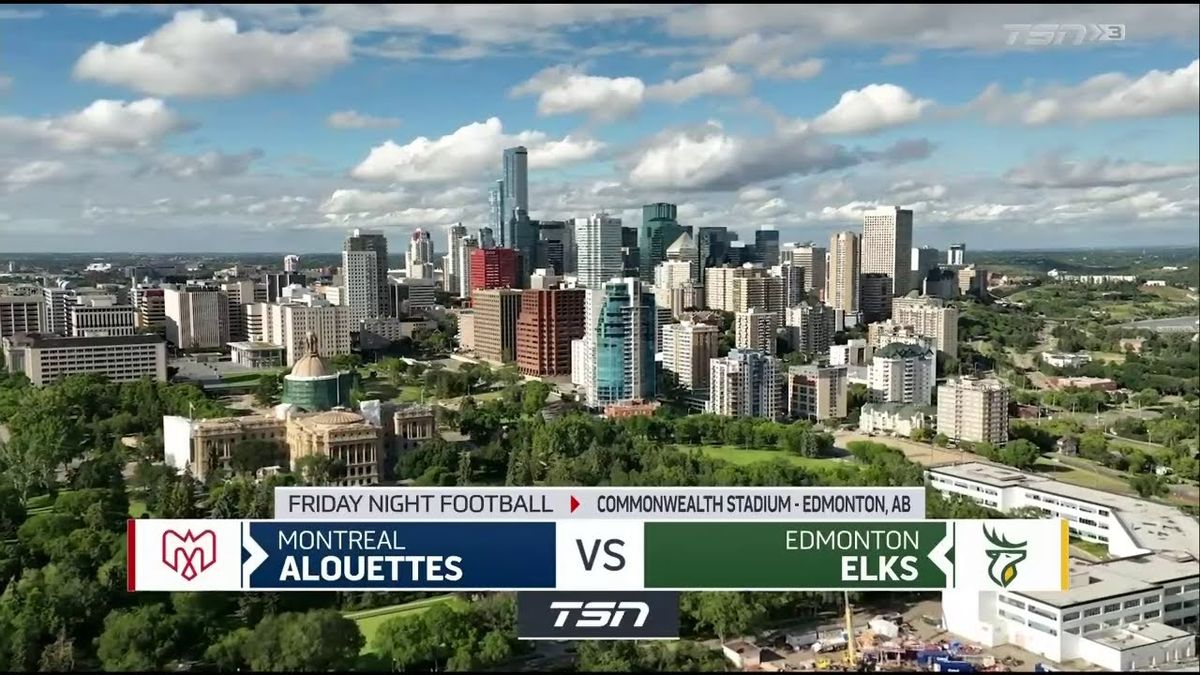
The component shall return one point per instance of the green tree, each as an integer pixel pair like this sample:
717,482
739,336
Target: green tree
1020,453
141,639
921,434
1146,398
1149,485
941,440
315,641
533,397
266,392
726,613
320,469
349,362
252,454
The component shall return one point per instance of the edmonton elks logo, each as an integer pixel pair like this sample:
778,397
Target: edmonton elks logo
189,553
1006,555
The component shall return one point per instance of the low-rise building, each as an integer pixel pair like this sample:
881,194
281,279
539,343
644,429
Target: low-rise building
893,418
45,359
256,355
1065,360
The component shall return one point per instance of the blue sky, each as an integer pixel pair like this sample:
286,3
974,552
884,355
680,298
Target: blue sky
277,128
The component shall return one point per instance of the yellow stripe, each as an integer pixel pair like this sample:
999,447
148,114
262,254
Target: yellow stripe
1065,564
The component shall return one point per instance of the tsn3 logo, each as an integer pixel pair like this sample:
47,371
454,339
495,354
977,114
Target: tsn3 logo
599,614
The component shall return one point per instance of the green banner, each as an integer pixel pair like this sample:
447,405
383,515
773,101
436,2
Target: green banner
814,555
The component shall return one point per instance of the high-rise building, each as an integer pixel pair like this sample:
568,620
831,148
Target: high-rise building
463,250
196,317
516,184
924,260
792,276
755,329
736,289
875,296
688,348
883,333
55,315
364,277
817,392
497,213
419,261
241,292
956,254
452,269
669,275
496,314
746,384
766,247
291,263
549,320
841,290
20,310
972,281
544,279
277,281
289,323
101,316
556,248
630,254
684,249
887,245
494,268
713,246
941,282
659,230
973,410
599,240
812,259
811,327
902,373
150,308
930,318
624,345
487,237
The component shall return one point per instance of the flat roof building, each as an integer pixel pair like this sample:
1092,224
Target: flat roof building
45,359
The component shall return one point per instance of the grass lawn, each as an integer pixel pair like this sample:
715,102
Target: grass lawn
1108,357
1076,475
370,620
741,456
408,394
1095,548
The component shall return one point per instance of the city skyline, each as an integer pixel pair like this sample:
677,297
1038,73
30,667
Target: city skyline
355,118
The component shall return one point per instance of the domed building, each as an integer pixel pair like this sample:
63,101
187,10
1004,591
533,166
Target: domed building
314,384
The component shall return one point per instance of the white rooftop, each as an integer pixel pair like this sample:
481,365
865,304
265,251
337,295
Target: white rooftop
1137,635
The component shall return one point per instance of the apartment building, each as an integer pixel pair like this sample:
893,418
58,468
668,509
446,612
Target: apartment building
973,410
755,329
496,313
548,321
688,347
817,392
811,327
746,384
902,373
929,317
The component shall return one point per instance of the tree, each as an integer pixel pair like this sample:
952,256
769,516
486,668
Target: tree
941,440
533,397
141,639
266,392
1020,453
349,362
252,454
319,469
1149,485
726,613
921,434
1146,398
315,641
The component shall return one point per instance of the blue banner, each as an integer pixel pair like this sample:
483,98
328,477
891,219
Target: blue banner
291,555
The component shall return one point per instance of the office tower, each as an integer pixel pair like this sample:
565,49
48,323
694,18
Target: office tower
841,291
55,316
941,282
931,318
196,317
364,276
549,320
630,254
812,259
291,263
746,384
464,249
150,308
754,329
45,359
624,344
973,410
453,270
663,317
875,296
902,373
811,327
792,278
496,314
516,183
659,230
887,245
766,247
289,323
278,281
756,288
924,260
20,310
739,254
487,237
241,292
494,268
101,316
421,294
497,213
817,392
599,240
684,249
956,255
972,281
556,249
712,244
419,262
687,349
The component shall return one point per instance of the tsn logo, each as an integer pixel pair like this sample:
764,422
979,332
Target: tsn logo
599,614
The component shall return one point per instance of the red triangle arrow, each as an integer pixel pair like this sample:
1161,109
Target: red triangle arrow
574,503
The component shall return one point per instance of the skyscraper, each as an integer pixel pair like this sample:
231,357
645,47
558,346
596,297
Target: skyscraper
887,245
683,249
630,253
812,259
549,320
713,245
659,230
420,255
875,292
624,343
487,237
371,299
598,239
496,314
755,329
556,248
466,248
496,211
924,259
766,246
841,292
452,270
516,180
930,318
291,263
494,268
957,255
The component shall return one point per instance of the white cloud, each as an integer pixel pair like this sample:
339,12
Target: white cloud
563,90
352,119
193,55
898,59
718,80
908,190
870,109
1052,171
104,124
468,152
347,201
39,171
770,56
211,164
801,70
1103,97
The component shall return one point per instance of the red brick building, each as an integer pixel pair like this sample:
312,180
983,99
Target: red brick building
549,320
495,268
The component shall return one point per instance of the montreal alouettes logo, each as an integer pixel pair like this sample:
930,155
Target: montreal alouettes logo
189,553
